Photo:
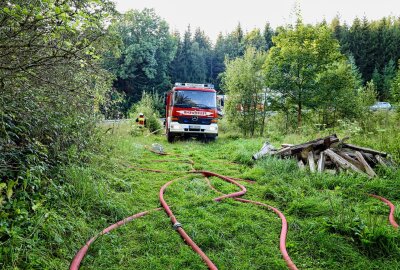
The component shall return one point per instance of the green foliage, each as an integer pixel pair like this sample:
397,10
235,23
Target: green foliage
389,72
367,96
147,49
51,85
301,54
268,33
49,94
197,60
255,39
336,97
374,46
113,105
192,60
395,87
243,83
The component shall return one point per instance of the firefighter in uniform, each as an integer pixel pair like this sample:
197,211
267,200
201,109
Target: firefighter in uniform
141,120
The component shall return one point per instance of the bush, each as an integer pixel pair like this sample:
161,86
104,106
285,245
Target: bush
49,102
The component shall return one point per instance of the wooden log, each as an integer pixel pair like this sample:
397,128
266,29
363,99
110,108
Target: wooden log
266,149
301,165
321,162
305,151
311,162
284,145
321,144
340,143
350,159
380,160
364,149
367,156
341,162
368,168
283,152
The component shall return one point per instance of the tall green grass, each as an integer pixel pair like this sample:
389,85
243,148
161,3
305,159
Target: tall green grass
333,224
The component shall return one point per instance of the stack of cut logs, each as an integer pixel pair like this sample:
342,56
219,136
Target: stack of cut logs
329,154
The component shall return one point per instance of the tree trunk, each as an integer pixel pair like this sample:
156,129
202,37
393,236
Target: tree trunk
254,108
299,114
264,114
287,121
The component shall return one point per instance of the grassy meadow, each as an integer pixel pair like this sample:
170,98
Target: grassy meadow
333,224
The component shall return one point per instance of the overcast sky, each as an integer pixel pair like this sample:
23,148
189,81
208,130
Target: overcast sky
214,16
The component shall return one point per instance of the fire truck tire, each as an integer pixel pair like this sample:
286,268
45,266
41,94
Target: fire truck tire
210,138
170,137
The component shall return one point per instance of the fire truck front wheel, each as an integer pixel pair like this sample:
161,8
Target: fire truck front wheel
170,137
211,138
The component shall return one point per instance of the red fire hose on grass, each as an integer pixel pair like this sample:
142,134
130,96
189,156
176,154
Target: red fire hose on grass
76,262
178,227
392,208
282,243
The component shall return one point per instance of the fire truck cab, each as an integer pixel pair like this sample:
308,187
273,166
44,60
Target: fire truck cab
191,111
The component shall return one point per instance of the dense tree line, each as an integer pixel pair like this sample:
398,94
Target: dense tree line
375,46
51,81
304,71
153,60
142,60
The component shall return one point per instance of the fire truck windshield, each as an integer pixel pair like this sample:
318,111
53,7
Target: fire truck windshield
195,99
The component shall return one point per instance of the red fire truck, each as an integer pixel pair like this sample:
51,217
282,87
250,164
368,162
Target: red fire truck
191,110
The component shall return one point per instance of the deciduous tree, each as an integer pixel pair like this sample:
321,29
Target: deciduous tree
244,84
300,53
147,50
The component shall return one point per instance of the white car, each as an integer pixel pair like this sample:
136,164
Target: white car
381,106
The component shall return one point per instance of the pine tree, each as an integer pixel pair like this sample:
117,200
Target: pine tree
268,33
389,72
255,39
378,83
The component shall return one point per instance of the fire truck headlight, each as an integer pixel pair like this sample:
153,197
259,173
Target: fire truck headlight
213,128
175,126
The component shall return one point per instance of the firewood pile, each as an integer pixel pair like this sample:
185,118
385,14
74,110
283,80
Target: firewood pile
329,154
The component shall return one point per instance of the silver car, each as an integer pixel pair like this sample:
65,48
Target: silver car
384,106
